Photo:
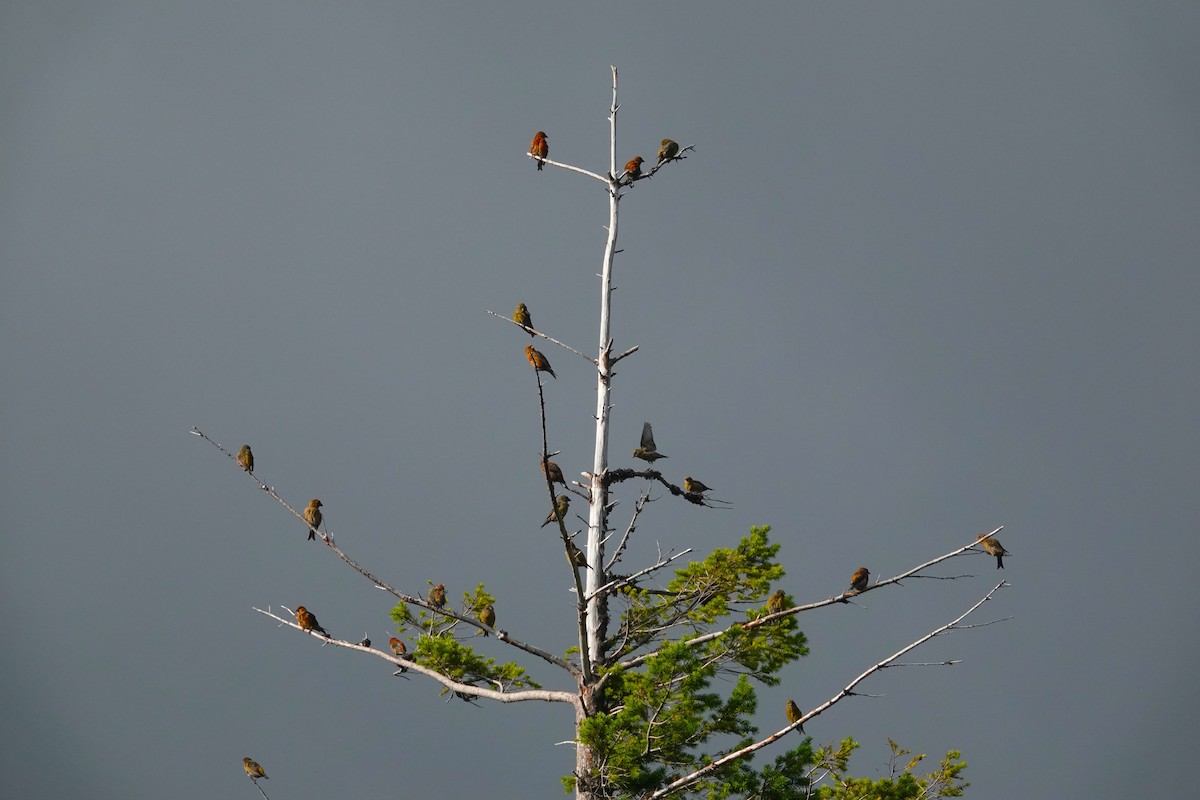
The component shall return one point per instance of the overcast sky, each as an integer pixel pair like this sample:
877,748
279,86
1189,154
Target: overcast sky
931,269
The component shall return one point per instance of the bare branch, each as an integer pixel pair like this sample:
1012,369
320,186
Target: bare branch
563,345
570,167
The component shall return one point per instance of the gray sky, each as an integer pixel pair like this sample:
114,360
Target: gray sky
931,270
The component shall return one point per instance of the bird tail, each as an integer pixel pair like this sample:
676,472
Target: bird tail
539,163
312,535
1000,561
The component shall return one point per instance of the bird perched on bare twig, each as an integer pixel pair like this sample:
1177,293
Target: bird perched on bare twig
575,556
522,318
561,504
692,486
669,150
858,581
252,767
633,169
487,615
538,148
993,548
555,474
648,451
437,596
539,362
794,714
399,650
245,458
313,516
309,623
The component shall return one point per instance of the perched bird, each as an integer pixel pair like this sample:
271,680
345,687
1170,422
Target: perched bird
693,486
575,556
522,318
794,714
252,767
245,458
669,150
399,651
561,504
309,623
633,169
993,548
437,596
538,148
858,581
487,615
556,475
365,642
776,602
312,515
539,362
648,451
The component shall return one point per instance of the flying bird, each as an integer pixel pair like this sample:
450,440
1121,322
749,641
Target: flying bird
794,714
522,318
309,623
858,581
252,767
648,450
538,148
245,458
993,548
669,150
561,504
313,516
692,486
633,169
539,362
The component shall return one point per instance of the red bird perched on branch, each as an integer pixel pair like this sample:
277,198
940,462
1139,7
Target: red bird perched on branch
554,473
308,622
252,767
538,148
633,169
538,361
858,581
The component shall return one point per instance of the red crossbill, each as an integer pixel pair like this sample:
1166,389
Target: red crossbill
398,650
538,361
858,581
693,486
245,458
522,318
252,767
487,615
993,548
561,504
556,474
794,714
633,169
669,150
437,596
777,602
538,148
648,451
312,515
308,622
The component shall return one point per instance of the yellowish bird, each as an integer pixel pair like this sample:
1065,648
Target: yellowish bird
858,581
487,615
539,362
313,516
522,318
561,504
575,556
308,622
692,486
245,458
648,451
669,150
777,602
993,548
794,714
252,767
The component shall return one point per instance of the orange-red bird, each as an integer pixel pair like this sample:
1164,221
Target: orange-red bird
633,169
308,622
858,581
538,361
538,148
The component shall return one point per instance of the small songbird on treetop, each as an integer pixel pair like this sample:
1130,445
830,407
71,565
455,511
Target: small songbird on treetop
487,615
633,169
245,458
575,556
561,504
538,148
648,451
993,548
556,475
692,486
776,602
539,362
252,767
399,650
669,150
437,596
308,622
794,714
522,318
312,515
858,581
